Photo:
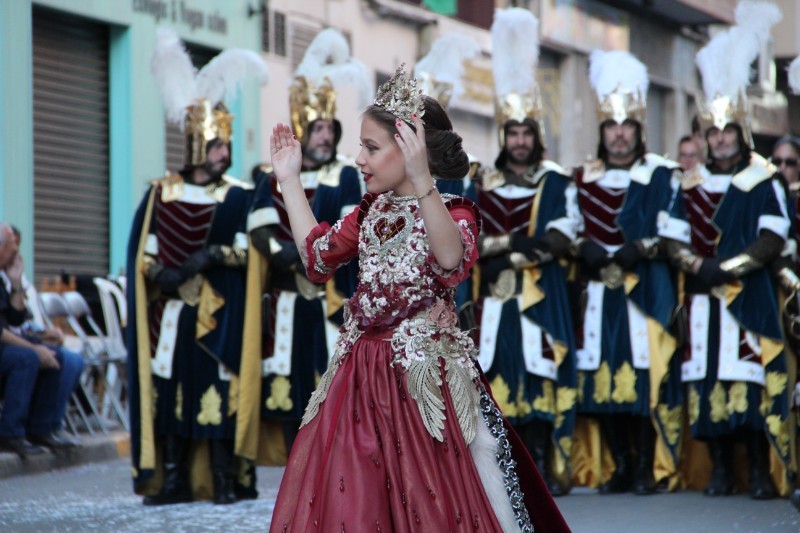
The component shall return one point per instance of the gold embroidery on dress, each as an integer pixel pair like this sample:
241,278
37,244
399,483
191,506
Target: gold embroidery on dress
776,383
424,385
581,384
279,394
179,402
501,394
671,420
779,429
694,405
546,402
719,409
625,384
602,383
737,398
565,401
210,408
465,398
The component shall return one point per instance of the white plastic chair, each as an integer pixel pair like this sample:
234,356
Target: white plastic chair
115,312
103,357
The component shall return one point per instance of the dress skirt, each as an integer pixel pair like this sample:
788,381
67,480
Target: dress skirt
366,462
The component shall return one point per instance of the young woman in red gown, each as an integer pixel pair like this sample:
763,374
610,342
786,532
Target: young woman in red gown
401,433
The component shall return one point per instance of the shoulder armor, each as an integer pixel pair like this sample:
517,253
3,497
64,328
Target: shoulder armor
593,170
230,180
492,178
757,171
168,179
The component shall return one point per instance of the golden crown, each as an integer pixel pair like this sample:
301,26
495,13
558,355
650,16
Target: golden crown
308,103
723,110
203,123
400,96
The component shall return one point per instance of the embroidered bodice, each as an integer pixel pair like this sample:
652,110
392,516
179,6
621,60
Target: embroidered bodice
404,295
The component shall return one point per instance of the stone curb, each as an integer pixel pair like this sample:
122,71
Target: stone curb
93,449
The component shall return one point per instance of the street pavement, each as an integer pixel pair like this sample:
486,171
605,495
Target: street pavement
98,497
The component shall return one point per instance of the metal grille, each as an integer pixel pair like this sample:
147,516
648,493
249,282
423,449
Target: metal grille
302,35
70,142
280,34
175,141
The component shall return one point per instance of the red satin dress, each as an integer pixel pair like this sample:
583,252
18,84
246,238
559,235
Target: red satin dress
384,442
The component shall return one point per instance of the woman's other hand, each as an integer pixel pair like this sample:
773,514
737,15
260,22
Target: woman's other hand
415,153
287,157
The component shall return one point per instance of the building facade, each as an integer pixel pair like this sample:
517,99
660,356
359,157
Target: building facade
82,127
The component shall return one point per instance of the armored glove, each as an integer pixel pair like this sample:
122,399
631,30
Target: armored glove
202,260
711,273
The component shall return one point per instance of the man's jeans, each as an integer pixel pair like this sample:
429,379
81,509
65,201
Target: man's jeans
35,399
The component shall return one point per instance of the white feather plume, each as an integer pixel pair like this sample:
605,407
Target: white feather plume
223,75
610,70
725,61
328,56
180,83
794,75
445,61
758,17
174,73
515,50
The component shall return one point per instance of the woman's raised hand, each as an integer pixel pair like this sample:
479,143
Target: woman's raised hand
287,158
415,152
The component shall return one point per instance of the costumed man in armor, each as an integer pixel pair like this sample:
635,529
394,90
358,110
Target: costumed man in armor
301,319
186,258
624,347
530,214
727,223
788,266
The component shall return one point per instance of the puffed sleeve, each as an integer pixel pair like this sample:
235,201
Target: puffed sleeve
328,247
467,219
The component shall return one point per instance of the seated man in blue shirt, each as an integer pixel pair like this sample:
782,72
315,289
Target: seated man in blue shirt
38,379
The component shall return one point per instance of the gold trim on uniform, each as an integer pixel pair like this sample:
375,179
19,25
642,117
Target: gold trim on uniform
279,395
694,405
602,383
779,429
546,403
625,384
210,408
179,402
737,398
565,401
671,420
776,383
718,402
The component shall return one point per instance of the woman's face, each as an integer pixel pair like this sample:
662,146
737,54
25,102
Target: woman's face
786,159
381,160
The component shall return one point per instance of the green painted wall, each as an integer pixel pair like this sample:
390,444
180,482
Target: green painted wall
137,120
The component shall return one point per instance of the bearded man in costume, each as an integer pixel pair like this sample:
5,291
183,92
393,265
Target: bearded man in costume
301,319
624,348
530,213
187,258
727,223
